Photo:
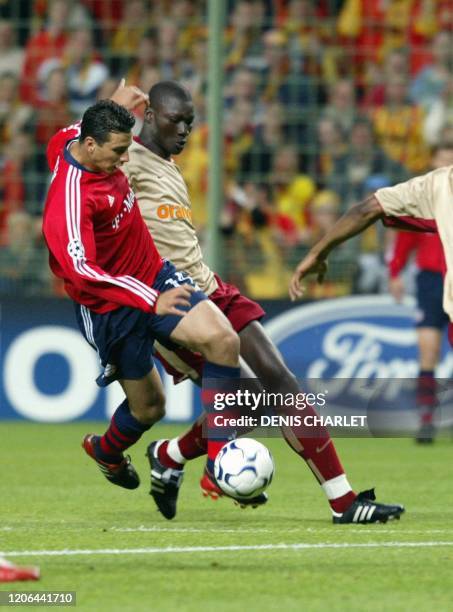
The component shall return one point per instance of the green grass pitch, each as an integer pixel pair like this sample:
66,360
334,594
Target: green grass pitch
53,498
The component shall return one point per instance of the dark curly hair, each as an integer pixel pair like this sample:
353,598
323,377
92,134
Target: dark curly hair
105,117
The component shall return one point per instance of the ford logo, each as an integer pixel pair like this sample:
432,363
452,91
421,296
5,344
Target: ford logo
362,349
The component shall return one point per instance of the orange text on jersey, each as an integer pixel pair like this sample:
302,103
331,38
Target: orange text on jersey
171,211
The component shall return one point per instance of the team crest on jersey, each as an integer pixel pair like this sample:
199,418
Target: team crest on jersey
111,200
76,250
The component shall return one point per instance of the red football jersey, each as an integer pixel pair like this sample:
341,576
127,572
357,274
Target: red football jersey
97,239
428,248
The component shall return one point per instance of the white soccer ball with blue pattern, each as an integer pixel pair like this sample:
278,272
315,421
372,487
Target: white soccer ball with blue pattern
244,468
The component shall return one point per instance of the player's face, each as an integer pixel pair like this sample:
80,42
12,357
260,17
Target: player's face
112,154
171,125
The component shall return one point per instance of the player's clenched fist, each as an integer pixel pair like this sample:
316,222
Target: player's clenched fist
169,301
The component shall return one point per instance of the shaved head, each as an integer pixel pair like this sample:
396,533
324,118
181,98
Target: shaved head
161,92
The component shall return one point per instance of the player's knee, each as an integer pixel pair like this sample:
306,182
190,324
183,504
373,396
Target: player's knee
151,410
222,344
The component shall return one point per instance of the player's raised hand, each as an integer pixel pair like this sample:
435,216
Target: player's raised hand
168,301
129,96
311,264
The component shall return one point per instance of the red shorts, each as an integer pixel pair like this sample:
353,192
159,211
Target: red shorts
239,310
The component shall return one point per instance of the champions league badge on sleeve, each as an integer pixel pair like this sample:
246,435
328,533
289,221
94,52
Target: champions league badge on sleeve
362,353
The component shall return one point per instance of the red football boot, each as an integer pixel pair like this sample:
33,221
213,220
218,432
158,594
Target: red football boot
13,573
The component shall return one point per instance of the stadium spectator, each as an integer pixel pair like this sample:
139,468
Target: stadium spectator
373,29
52,110
169,57
85,71
331,146
280,82
238,133
17,153
308,29
11,55
14,115
147,56
22,14
194,70
127,35
398,125
47,44
23,259
190,26
439,117
341,104
292,191
243,85
394,64
269,135
106,13
243,37
431,82
361,159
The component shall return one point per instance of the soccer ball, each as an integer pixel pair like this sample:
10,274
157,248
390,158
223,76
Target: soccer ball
243,468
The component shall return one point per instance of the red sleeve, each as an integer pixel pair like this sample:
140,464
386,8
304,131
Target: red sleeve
58,141
405,244
70,237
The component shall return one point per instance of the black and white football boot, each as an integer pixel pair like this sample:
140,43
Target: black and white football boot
165,482
365,509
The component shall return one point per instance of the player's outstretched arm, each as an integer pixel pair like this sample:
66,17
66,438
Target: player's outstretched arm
129,96
357,219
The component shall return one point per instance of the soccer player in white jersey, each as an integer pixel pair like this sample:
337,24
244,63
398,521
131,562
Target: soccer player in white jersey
165,205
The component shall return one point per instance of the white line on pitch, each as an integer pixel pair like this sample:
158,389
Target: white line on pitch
195,549
143,528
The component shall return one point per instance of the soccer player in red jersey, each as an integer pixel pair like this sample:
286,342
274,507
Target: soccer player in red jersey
125,294
164,201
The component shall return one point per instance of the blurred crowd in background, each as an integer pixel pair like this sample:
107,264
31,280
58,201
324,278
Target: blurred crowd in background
324,102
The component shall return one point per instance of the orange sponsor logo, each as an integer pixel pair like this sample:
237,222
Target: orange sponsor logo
173,211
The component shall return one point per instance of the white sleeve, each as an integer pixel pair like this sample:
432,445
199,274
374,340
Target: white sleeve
414,198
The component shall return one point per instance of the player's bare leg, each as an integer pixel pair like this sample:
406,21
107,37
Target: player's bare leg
316,447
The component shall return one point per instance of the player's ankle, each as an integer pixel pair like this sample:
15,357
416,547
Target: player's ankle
167,453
